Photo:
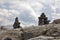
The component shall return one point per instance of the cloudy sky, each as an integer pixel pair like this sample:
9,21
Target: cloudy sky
28,11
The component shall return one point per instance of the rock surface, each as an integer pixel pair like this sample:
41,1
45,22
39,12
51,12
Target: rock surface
44,38
43,32
12,34
48,30
56,21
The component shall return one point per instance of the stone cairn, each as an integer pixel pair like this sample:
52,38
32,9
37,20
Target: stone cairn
43,19
16,23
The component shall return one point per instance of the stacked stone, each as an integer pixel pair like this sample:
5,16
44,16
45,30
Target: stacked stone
43,19
16,23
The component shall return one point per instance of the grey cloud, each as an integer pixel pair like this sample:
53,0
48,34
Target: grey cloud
24,12
57,10
48,11
26,16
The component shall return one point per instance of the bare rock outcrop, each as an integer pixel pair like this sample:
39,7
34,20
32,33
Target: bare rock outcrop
42,38
45,38
57,21
48,30
43,32
10,34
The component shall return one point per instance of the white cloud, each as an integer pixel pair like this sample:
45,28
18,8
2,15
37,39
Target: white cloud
27,10
3,1
56,7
